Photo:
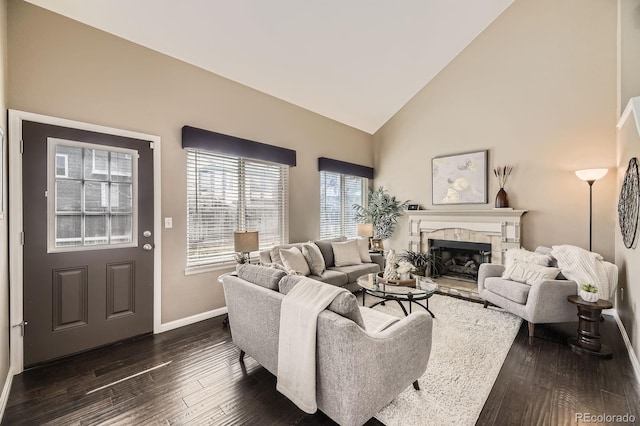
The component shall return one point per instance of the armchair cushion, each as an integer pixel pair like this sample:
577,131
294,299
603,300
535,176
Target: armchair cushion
511,290
529,273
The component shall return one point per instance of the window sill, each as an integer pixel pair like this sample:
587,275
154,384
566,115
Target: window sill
215,267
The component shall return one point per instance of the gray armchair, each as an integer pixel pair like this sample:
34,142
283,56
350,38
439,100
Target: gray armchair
542,302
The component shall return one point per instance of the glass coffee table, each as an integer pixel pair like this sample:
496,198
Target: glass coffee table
372,286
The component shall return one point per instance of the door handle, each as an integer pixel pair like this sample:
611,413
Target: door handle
147,247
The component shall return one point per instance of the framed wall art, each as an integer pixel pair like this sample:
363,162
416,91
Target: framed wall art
459,178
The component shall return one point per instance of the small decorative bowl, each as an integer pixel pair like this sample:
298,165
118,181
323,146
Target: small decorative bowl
588,297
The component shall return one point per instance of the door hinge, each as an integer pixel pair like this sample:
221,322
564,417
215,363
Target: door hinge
21,146
21,325
22,238
152,145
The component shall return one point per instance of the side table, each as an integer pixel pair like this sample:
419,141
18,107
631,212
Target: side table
588,340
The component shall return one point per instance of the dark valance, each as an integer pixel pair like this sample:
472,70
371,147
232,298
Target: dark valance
211,141
336,166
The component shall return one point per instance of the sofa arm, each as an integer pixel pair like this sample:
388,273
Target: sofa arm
547,301
379,259
487,270
361,372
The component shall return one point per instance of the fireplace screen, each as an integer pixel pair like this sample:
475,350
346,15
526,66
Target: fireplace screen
460,259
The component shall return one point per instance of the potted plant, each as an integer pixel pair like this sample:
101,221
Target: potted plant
422,262
382,210
589,293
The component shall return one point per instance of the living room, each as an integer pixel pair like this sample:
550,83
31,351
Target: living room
542,88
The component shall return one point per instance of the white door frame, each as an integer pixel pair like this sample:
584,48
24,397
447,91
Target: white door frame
16,259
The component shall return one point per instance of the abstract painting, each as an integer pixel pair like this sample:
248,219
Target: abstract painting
460,178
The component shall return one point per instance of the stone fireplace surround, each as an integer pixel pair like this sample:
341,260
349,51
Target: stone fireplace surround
499,227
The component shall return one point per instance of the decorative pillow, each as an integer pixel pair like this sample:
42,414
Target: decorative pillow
526,256
363,247
261,275
327,250
346,253
530,273
314,258
344,304
294,261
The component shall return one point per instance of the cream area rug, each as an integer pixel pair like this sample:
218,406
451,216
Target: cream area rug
469,345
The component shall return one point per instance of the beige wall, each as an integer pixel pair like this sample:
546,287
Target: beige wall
629,11
628,260
4,239
66,69
538,90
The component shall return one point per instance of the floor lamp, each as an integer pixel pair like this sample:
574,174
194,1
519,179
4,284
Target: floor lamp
590,176
245,242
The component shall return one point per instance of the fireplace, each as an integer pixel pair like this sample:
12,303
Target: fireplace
460,259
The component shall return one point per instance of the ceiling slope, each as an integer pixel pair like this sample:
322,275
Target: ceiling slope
357,62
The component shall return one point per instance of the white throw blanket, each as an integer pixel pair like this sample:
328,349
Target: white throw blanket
585,267
297,345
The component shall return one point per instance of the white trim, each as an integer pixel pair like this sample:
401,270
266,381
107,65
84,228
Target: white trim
172,325
632,106
627,342
4,397
16,226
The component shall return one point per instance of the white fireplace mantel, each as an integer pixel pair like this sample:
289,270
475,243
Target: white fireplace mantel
499,227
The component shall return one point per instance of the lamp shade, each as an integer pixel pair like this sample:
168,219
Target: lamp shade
591,174
365,230
245,241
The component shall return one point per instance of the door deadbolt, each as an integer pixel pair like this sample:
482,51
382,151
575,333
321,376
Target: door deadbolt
146,234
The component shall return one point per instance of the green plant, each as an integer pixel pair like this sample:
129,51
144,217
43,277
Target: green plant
589,288
382,210
422,261
241,258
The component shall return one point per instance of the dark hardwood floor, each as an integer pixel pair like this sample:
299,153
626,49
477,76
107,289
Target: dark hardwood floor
542,383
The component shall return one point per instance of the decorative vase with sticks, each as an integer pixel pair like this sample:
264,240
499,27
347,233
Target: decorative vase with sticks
502,173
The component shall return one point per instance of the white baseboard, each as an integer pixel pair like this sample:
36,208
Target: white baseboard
627,342
4,397
172,325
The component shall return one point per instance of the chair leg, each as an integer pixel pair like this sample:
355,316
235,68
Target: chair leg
486,303
416,386
242,357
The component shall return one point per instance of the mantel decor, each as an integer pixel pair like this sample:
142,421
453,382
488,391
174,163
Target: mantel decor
628,207
502,173
460,178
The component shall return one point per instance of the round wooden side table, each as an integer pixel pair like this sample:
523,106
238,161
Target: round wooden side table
588,340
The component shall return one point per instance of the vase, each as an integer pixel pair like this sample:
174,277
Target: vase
502,200
589,297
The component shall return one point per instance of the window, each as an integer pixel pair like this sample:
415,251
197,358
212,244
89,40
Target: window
91,207
226,193
338,194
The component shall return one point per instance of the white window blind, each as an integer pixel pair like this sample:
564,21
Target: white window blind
227,194
338,194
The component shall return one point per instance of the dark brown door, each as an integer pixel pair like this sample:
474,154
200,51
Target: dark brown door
88,243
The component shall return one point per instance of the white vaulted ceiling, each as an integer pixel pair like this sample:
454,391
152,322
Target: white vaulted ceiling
355,61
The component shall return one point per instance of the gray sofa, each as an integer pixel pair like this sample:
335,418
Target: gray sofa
358,372
344,276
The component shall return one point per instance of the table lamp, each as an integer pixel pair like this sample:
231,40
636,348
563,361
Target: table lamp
245,242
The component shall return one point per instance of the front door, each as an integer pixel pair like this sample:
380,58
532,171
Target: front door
88,222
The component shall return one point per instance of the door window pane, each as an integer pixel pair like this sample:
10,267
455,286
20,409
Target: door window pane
121,229
94,195
96,164
68,231
121,198
68,196
95,230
